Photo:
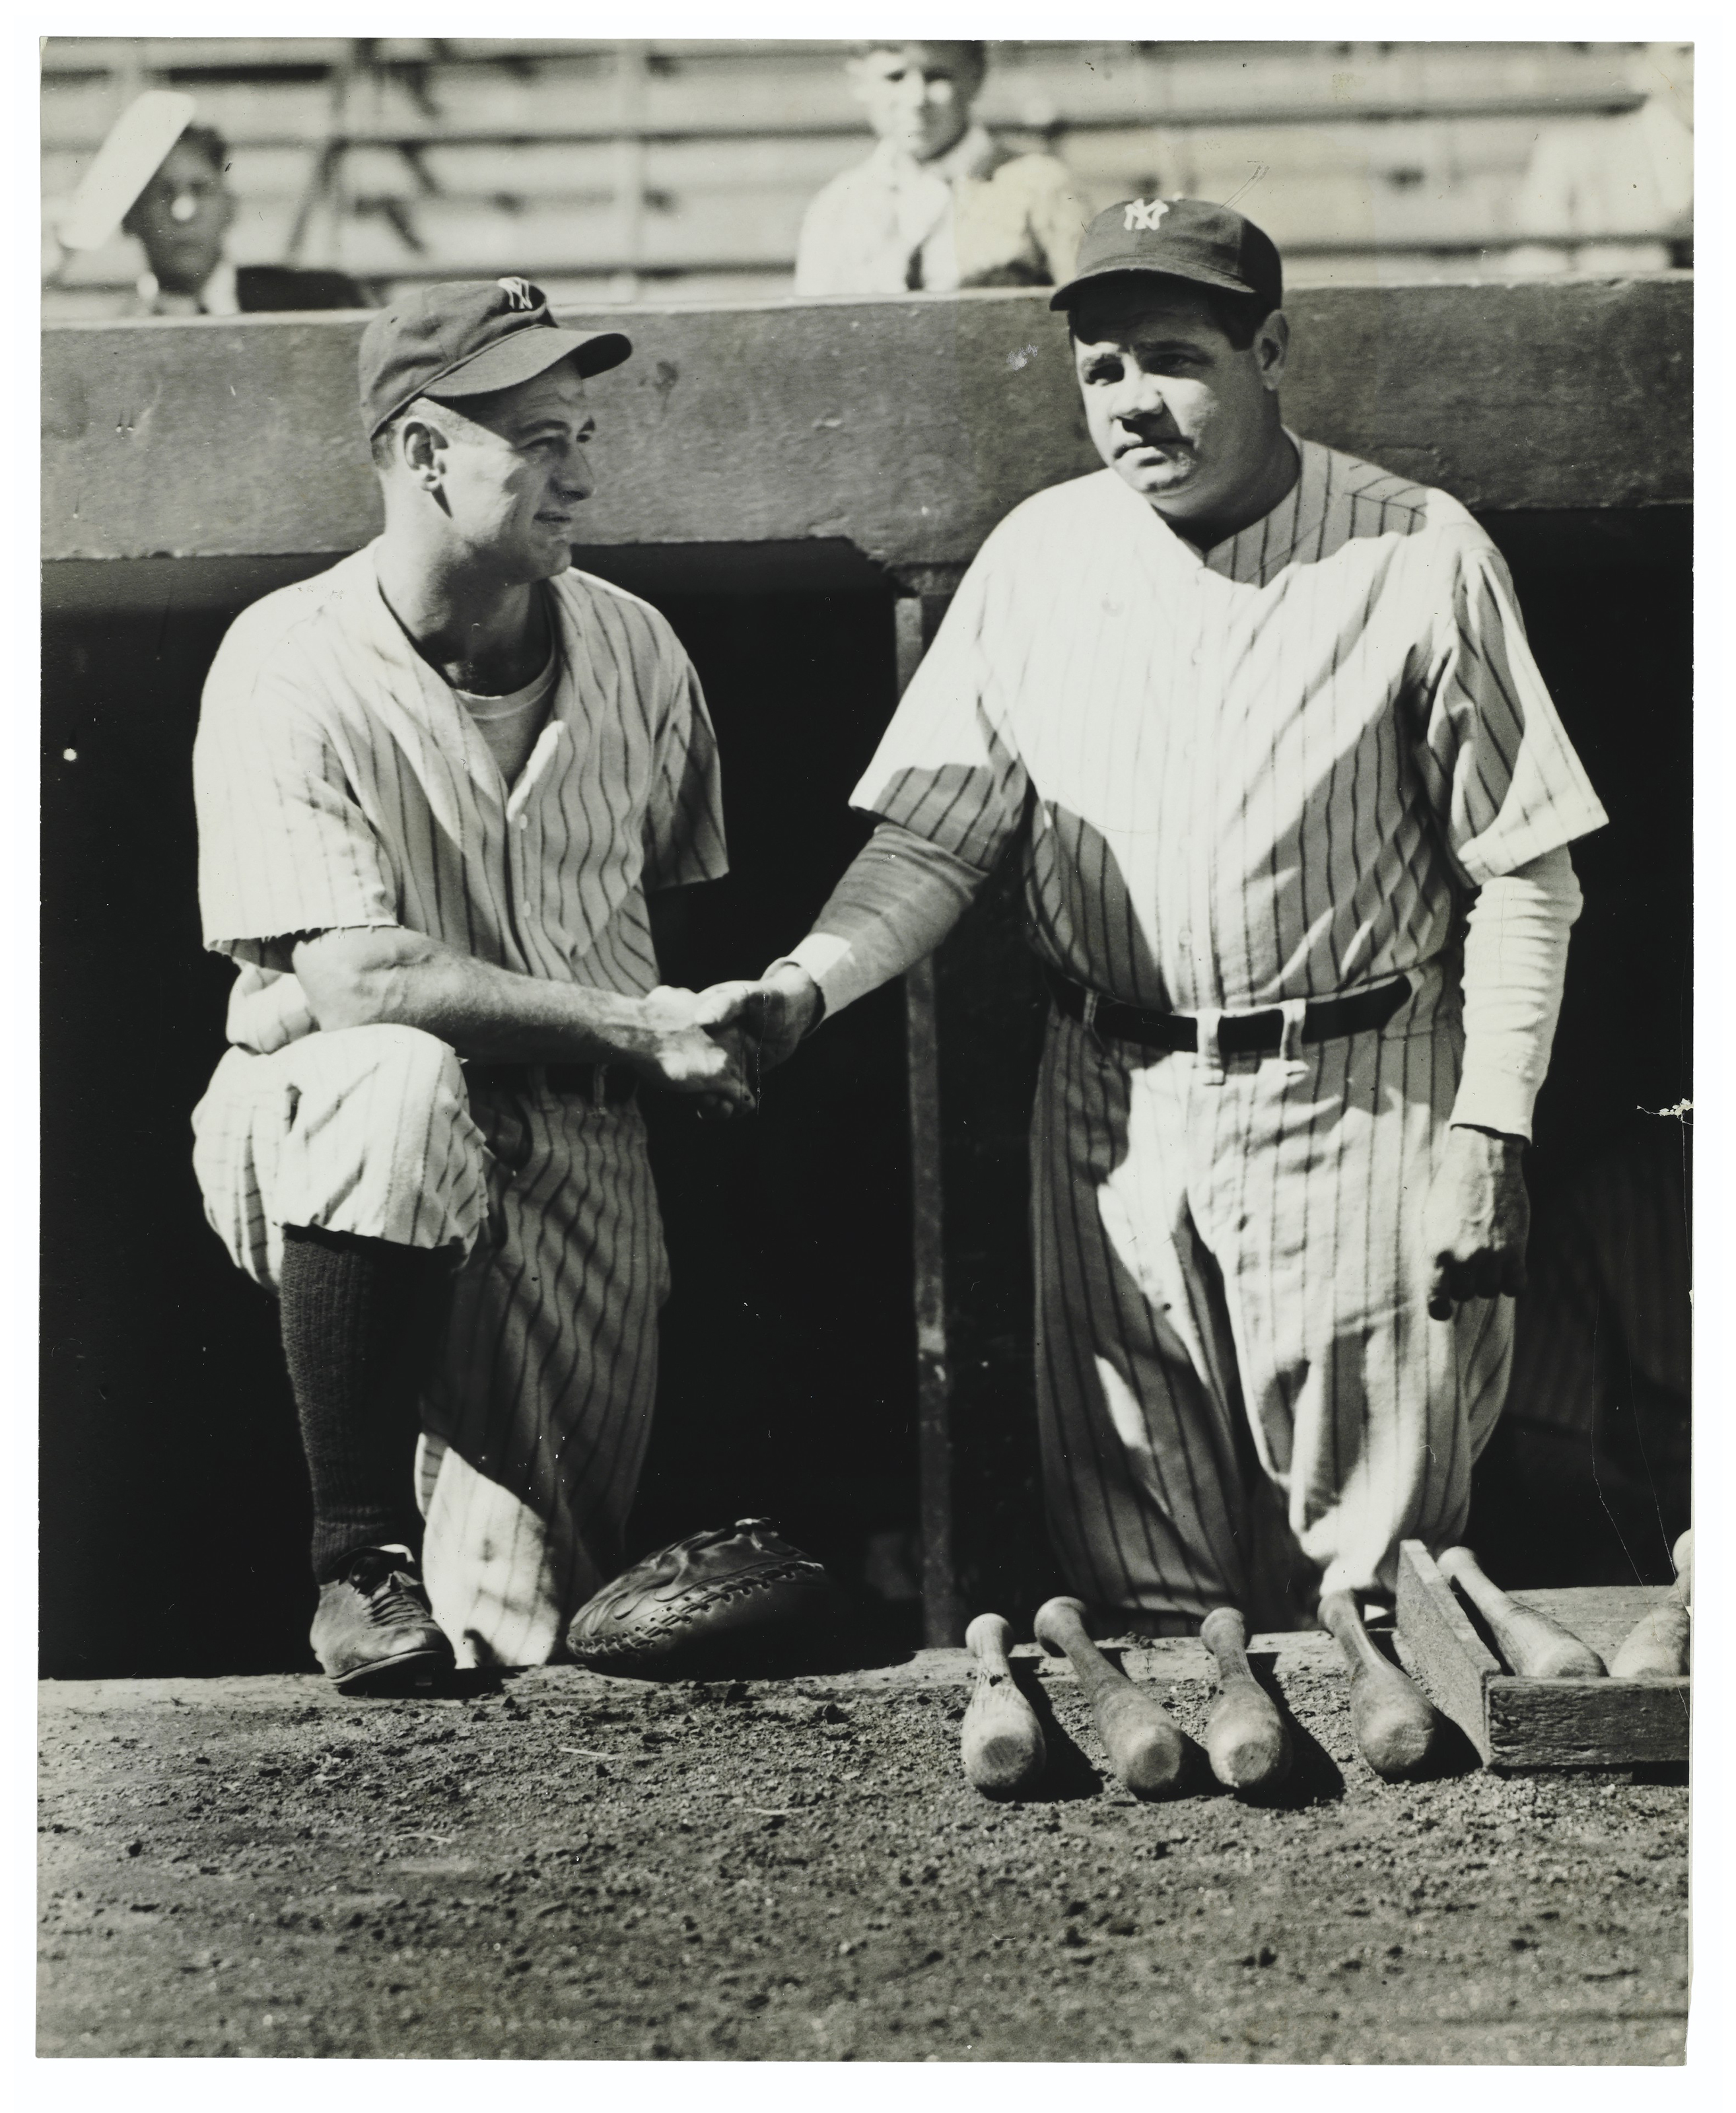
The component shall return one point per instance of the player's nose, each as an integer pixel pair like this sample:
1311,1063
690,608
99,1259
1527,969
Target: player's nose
573,480
1139,396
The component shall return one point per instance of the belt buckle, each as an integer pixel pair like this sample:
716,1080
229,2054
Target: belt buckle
1292,1064
1208,1055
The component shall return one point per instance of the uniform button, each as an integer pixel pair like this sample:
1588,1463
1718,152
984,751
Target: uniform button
524,821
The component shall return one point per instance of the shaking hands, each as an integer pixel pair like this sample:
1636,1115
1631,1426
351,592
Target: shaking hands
712,1046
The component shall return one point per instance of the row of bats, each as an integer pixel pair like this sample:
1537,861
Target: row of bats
1247,1742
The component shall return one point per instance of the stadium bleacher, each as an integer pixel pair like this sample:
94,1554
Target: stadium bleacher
618,170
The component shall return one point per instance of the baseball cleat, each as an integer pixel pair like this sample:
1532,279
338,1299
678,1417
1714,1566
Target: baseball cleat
374,1633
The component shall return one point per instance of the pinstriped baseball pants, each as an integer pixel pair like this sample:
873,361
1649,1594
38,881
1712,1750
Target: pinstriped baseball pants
536,1419
1231,1318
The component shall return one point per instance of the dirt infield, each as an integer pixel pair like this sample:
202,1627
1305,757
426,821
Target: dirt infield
572,1866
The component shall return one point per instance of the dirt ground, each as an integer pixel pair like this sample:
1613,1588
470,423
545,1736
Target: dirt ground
580,1868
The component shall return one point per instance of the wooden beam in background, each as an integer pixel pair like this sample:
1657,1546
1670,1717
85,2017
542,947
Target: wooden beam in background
906,427
917,617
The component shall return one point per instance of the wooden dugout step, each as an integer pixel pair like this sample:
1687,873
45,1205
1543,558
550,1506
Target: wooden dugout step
1519,1724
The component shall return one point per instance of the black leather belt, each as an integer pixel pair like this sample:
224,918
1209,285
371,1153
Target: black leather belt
610,1082
1239,1034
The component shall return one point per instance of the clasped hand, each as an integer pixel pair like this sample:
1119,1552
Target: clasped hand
1476,1221
714,1043
696,1044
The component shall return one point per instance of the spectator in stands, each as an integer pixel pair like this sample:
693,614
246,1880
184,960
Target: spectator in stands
938,205
181,218
1622,187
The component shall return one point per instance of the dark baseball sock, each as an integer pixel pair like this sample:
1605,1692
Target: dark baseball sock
359,1318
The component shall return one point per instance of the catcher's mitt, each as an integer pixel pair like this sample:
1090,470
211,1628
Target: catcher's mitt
735,1601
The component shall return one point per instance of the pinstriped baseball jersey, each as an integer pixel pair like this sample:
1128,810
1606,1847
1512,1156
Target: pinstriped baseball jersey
340,782
1251,776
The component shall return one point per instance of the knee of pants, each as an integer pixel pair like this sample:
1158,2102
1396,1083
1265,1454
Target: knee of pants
379,1139
404,1070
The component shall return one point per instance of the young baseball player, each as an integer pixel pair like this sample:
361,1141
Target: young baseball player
938,204
437,787
1259,720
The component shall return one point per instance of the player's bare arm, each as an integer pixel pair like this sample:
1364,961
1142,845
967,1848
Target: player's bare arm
386,976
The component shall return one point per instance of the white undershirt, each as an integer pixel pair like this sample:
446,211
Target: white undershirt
510,724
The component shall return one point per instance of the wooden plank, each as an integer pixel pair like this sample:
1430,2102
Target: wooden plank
908,428
1450,1658
1600,1615
1585,1723
917,616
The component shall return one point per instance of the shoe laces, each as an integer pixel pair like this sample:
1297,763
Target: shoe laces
388,1581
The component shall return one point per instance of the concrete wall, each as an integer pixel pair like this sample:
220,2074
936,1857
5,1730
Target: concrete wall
903,428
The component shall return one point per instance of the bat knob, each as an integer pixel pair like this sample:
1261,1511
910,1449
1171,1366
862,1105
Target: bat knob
1223,1630
1055,1621
988,1636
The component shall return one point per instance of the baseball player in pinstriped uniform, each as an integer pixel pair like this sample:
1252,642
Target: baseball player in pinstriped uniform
437,787
1260,720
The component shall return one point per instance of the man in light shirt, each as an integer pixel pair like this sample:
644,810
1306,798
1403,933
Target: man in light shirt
938,205
182,220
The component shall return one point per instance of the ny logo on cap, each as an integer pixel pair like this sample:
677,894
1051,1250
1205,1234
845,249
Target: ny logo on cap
1142,218
519,293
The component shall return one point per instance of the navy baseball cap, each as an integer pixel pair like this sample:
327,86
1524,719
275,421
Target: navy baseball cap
467,337
1181,239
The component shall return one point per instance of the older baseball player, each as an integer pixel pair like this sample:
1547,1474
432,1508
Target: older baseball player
1260,722
437,786
938,204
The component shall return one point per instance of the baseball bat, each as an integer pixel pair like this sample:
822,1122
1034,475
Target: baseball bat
1245,1738
1532,1644
1394,1723
1002,1741
1655,1648
1144,1743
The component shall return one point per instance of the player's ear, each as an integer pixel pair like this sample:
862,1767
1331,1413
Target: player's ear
421,444
1271,348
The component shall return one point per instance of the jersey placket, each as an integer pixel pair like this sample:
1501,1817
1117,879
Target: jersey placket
1204,707
524,852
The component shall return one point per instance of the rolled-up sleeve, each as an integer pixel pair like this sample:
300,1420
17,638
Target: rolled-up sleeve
1505,781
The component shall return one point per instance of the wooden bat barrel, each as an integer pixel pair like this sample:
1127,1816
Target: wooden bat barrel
1246,1739
1001,1742
1145,1744
1534,1645
1656,1647
1394,1725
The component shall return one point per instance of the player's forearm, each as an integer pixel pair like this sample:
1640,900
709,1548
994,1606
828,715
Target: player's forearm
1515,964
393,978
897,901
